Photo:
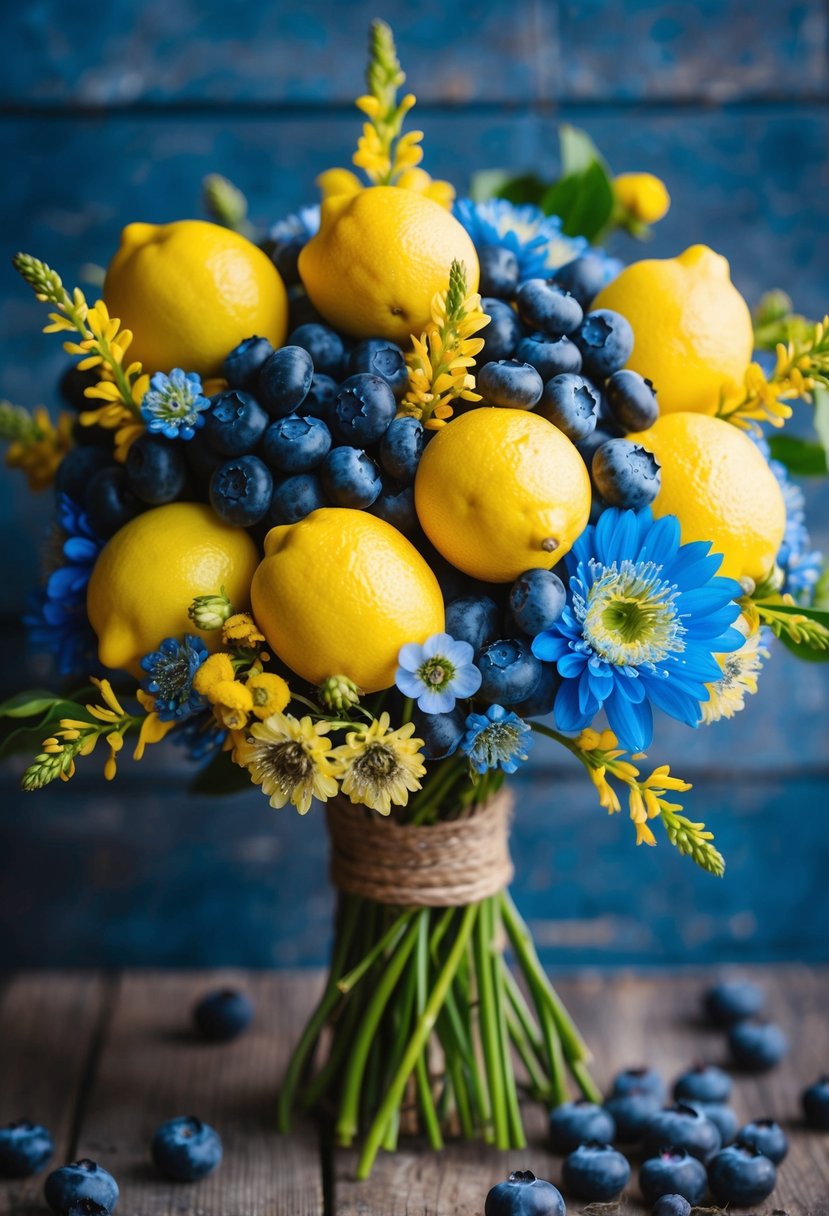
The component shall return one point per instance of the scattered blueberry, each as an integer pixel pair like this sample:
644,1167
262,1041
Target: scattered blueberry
815,1102
296,497
244,363
767,1137
524,1195
378,357
185,1149
673,1172
363,408
605,340
324,345
235,422
631,400
510,383
500,271
683,1127
596,1172
395,504
571,404
740,1175
541,700
733,1001
296,444
722,1116
537,599
632,1112
74,1184
240,491
285,379
626,474
350,478
671,1205
401,448
584,277
110,501
544,304
509,671
222,1015
503,333
156,469
703,1083
474,619
441,733
25,1148
757,1046
575,1123
548,355
638,1080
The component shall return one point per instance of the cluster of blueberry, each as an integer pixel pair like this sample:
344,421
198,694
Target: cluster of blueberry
689,1149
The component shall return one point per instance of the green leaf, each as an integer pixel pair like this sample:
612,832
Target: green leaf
27,704
577,150
802,650
221,777
821,615
803,457
821,417
30,736
583,201
525,189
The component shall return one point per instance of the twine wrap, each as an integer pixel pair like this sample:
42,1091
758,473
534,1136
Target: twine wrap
445,865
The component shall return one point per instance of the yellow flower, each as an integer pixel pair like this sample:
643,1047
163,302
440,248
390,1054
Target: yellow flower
334,182
379,766
216,669
152,730
41,451
643,196
421,182
290,758
241,628
232,702
740,671
270,694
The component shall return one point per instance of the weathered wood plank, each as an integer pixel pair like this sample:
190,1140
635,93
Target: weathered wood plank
50,1029
153,1068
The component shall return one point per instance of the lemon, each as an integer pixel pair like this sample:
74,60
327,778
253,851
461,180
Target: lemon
190,292
340,592
691,327
719,486
148,574
379,258
501,491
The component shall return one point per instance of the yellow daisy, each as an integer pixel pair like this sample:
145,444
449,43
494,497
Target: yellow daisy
290,759
379,766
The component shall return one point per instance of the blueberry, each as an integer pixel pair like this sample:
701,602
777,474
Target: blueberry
503,333
76,1183
544,304
320,398
244,363
73,384
509,383
549,356
185,1149
294,444
588,447
671,1205
364,407
156,469
596,1172
296,497
524,1195
474,619
632,1112
324,345
815,1101
542,698
395,504
240,491
285,379
378,357
733,1001
350,478
639,1080
673,1172
222,1015
605,340
703,1083
110,501
500,271
631,400
740,1175
584,277
401,448
235,422
767,1137
626,474
575,1123
723,1118
509,670
94,436
683,1127
285,258
25,1148
537,600
300,309
572,404
441,733
756,1046
77,469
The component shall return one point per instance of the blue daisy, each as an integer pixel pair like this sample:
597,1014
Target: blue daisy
496,739
174,405
536,239
298,227
437,673
200,736
645,617
170,677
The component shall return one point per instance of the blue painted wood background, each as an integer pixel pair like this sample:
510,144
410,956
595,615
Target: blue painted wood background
110,113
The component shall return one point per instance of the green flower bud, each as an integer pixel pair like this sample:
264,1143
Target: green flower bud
338,693
210,611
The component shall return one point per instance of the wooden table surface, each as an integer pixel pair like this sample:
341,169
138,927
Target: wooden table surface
102,1059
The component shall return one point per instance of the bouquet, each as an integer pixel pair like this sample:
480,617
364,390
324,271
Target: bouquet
356,507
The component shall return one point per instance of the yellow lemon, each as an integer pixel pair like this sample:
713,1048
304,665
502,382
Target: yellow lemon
190,292
379,258
340,592
501,491
151,570
717,483
691,327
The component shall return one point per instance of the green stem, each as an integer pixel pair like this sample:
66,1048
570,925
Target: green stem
427,1105
435,792
489,1024
516,1130
388,941
538,1082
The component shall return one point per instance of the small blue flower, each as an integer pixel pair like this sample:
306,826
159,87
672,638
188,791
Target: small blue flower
302,225
201,736
174,405
170,680
644,619
536,239
437,673
496,739
801,564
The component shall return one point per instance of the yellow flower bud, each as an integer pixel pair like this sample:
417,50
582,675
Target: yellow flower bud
215,669
270,694
643,196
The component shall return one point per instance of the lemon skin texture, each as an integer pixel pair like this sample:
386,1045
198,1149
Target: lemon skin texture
379,258
190,292
501,491
692,329
718,485
148,574
340,592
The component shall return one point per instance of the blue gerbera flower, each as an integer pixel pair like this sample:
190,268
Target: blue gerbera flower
496,739
170,676
437,673
174,405
299,227
644,619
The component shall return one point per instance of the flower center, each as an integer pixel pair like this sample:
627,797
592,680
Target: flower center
436,673
289,764
377,763
498,742
629,614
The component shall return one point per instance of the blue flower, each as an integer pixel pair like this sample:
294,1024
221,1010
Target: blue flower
644,619
437,673
170,680
201,736
174,404
801,564
536,239
300,226
496,739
